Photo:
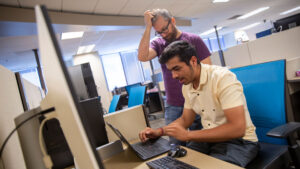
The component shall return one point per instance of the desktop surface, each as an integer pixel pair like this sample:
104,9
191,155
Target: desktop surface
128,160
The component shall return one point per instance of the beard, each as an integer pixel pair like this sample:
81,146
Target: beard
172,35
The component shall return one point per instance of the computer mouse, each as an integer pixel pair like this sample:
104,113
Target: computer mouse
177,152
181,152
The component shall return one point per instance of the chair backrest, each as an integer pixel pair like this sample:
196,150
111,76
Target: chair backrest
114,103
264,88
128,87
136,96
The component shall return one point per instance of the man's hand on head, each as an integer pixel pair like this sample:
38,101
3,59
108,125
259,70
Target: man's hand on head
176,131
148,133
148,18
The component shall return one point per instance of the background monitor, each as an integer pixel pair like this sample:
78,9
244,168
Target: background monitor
61,95
287,23
83,81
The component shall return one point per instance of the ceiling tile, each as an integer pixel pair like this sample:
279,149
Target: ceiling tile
86,6
9,2
53,4
136,7
111,7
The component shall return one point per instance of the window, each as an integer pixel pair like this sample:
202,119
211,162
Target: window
156,64
214,43
132,67
32,76
113,70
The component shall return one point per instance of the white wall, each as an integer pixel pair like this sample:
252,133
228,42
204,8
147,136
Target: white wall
11,107
98,74
34,94
282,45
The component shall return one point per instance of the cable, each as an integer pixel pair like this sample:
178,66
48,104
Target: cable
46,158
2,164
19,125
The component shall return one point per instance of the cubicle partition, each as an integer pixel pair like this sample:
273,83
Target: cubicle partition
11,106
281,45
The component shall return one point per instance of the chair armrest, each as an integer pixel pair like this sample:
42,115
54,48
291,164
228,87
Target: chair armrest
284,130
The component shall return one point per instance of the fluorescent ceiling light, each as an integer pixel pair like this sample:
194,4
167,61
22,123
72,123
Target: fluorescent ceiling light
71,35
290,11
216,1
85,49
250,26
253,12
210,31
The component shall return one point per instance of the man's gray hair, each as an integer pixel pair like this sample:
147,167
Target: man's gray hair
161,12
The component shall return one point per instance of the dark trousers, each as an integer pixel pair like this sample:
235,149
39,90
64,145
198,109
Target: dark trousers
237,151
174,112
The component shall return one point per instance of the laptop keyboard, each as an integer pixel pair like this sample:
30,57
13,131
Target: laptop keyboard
168,162
151,149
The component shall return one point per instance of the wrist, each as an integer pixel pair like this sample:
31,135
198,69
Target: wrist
161,131
188,136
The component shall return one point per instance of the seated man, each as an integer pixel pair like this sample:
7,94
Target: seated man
217,96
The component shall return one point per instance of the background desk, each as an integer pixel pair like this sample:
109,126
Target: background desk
128,160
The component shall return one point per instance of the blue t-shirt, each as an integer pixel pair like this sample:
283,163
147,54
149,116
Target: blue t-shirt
172,86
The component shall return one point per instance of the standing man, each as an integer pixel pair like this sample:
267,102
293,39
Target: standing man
217,96
164,25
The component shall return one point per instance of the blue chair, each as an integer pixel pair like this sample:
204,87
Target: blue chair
136,96
264,87
128,87
114,103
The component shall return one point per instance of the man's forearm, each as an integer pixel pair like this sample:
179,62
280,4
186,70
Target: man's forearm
143,51
223,132
182,122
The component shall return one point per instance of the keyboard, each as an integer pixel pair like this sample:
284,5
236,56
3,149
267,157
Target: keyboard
151,149
168,162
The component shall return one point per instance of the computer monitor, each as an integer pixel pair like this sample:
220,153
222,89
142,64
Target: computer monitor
61,95
287,23
83,81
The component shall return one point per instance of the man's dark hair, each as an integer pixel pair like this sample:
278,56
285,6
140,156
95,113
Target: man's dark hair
182,49
161,12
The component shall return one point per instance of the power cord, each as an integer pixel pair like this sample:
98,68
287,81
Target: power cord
46,158
2,164
19,125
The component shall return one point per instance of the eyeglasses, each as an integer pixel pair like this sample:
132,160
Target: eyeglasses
164,30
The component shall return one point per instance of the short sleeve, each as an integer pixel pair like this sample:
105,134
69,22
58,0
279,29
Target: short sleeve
154,45
230,91
201,48
187,104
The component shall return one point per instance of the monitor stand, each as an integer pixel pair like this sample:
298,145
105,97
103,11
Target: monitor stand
29,139
54,140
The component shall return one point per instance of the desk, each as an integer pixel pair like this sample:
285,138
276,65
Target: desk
128,160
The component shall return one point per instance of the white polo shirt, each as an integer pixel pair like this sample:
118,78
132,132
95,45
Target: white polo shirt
218,89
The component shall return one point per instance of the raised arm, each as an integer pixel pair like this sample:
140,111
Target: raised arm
145,53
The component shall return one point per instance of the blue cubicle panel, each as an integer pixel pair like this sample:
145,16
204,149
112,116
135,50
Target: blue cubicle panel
136,96
264,88
114,103
128,87
264,33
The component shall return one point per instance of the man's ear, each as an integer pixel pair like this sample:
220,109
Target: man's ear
193,60
173,21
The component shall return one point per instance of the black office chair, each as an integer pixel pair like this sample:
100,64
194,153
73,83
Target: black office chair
265,91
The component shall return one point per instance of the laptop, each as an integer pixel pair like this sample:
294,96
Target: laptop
151,148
